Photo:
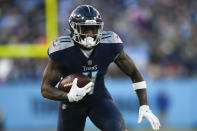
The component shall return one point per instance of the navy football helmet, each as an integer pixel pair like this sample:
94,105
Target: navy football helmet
86,26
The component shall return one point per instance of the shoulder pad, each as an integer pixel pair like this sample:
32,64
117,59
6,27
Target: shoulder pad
60,43
110,37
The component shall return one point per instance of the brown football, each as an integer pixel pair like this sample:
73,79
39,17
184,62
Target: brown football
66,83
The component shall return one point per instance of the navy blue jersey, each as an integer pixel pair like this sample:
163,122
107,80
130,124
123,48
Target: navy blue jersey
72,60
98,105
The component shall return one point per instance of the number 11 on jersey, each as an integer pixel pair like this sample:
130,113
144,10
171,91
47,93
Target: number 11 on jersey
92,75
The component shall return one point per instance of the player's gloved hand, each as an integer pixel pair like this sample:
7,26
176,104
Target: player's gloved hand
76,93
145,111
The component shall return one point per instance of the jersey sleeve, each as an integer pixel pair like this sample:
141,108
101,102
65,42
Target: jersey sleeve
57,46
53,50
118,47
113,43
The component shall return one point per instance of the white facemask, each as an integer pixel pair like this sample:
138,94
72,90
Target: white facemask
88,42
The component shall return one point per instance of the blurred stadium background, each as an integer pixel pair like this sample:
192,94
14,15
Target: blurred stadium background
160,35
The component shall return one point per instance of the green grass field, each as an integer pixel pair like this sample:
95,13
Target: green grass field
128,130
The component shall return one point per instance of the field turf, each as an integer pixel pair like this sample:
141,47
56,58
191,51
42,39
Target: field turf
128,130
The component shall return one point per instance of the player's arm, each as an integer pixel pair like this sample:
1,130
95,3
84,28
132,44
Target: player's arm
127,65
51,77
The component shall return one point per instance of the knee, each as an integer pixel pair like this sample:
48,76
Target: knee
114,125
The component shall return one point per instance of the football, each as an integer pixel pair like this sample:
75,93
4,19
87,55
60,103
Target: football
66,83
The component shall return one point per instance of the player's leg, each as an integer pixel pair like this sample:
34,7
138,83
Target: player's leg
106,116
71,118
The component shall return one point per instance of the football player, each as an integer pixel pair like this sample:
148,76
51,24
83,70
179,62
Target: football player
89,50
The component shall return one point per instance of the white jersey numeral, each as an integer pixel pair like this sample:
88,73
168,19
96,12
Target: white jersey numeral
92,75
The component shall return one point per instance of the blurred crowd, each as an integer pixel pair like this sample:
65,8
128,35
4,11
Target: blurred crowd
158,34
22,21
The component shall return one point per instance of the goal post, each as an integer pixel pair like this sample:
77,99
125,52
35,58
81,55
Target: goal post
29,50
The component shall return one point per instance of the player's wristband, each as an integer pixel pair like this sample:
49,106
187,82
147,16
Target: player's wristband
139,85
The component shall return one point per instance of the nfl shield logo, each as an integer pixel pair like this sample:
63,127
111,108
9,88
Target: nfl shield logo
64,106
89,62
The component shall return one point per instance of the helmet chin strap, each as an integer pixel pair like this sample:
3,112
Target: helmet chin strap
88,42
